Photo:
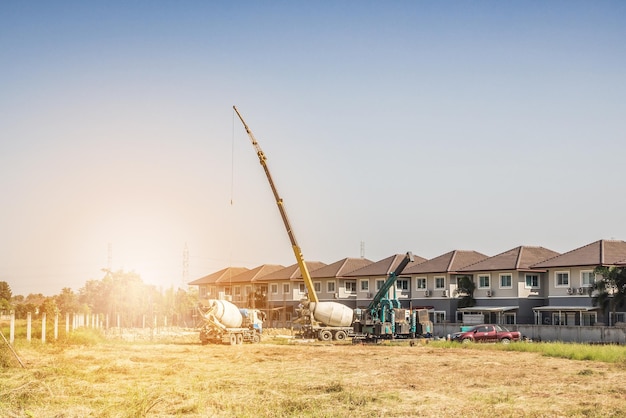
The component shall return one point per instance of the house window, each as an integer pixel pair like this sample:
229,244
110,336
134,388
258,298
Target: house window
509,318
440,282
248,290
506,281
616,317
330,287
317,286
350,286
285,288
587,278
274,288
558,319
588,318
237,290
402,284
437,316
561,279
365,285
483,281
532,281
420,283
301,288
379,284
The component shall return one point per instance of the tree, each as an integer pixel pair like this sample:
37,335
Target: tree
465,290
609,290
5,291
67,301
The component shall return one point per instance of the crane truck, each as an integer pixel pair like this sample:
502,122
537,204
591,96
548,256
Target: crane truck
224,322
384,318
324,320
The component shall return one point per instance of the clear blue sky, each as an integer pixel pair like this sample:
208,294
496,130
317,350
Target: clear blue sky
418,125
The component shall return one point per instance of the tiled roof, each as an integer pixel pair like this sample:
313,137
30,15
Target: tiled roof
340,268
519,258
290,273
214,277
385,266
598,253
446,263
251,275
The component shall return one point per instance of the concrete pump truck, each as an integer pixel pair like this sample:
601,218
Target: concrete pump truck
322,320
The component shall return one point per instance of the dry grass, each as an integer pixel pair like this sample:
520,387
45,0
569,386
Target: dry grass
309,380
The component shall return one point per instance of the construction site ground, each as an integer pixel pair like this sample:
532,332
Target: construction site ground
280,378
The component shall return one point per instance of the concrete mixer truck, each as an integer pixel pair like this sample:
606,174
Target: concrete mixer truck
223,322
323,320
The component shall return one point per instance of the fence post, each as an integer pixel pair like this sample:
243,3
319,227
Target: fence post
29,325
43,328
12,331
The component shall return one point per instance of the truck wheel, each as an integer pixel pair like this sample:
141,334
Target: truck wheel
256,338
340,335
467,341
505,341
233,339
239,339
325,335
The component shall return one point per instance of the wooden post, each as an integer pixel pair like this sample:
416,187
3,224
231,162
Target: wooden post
29,325
12,331
56,326
43,328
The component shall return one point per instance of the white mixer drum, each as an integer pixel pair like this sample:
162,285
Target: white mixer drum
332,313
227,313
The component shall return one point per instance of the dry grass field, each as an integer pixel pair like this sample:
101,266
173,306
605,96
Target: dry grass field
278,379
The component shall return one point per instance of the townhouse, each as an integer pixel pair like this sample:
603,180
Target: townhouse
435,283
569,276
507,288
208,288
524,285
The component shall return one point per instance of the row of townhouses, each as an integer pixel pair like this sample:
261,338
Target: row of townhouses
524,285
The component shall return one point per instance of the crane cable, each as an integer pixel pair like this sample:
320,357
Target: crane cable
232,192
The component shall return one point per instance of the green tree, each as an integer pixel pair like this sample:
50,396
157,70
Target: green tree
67,301
465,291
5,291
609,289
49,306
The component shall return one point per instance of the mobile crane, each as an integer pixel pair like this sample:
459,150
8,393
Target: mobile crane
384,318
322,320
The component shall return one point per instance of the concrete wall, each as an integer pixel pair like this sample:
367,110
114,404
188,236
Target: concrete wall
578,334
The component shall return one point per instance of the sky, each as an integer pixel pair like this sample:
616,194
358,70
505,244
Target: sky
388,127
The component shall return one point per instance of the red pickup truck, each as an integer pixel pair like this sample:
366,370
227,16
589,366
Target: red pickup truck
487,334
